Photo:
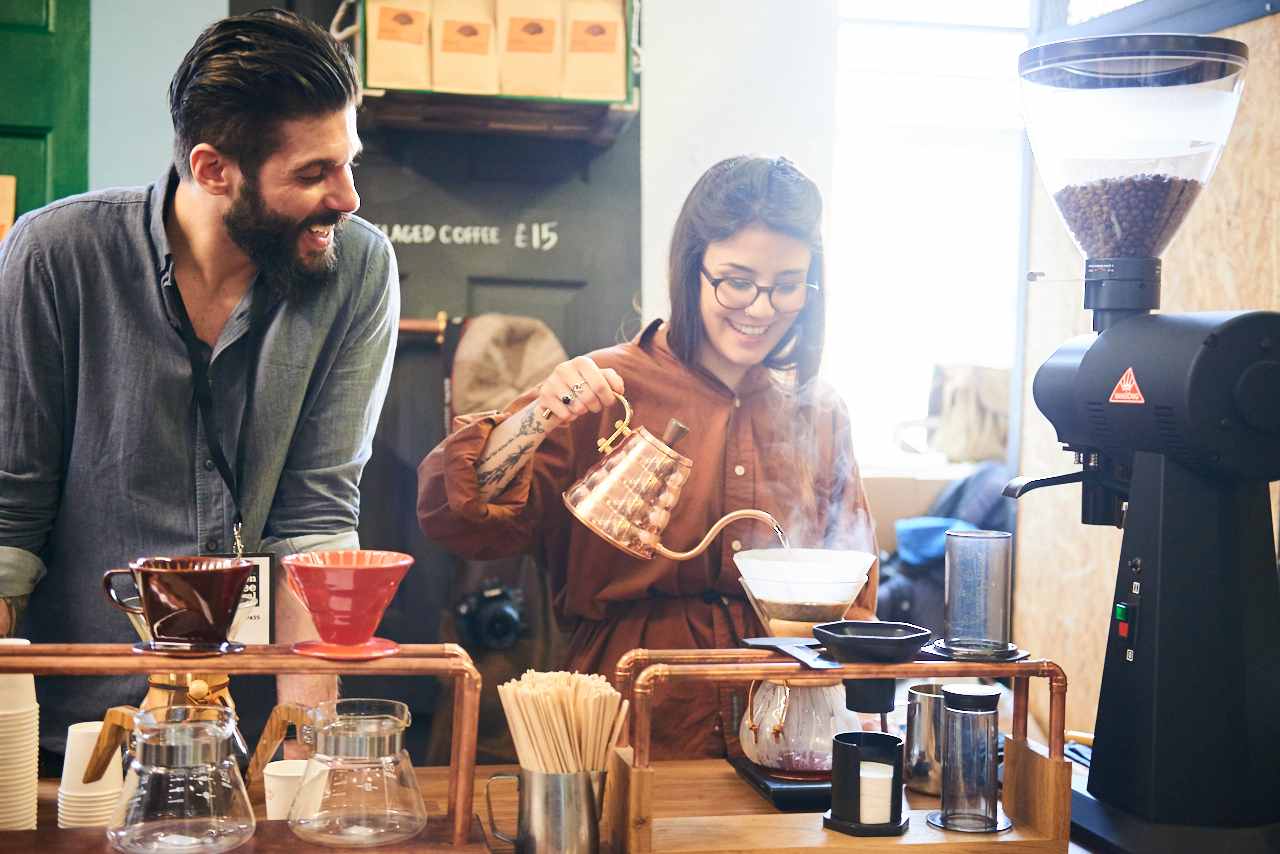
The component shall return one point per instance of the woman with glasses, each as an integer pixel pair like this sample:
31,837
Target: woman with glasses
737,363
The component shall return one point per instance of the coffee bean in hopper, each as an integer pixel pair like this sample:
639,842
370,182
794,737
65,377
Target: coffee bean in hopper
1131,217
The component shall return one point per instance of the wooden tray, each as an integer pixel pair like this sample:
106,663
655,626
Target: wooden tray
448,661
1037,782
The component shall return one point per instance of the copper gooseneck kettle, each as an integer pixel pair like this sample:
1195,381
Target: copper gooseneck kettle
628,496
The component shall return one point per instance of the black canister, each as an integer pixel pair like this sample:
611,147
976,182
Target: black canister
866,785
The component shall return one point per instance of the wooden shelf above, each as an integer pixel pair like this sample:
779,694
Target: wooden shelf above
439,112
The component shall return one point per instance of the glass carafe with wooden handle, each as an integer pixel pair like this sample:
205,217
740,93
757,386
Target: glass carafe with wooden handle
628,496
358,788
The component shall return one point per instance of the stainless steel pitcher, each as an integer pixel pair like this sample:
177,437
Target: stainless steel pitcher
558,814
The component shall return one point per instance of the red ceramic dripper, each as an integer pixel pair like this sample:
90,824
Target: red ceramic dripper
346,593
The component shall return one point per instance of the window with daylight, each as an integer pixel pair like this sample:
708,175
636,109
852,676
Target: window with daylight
926,225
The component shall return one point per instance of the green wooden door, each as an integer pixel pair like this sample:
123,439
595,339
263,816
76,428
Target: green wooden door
44,98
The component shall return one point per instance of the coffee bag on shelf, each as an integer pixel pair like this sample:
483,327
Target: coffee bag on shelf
398,44
530,47
595,50
464,47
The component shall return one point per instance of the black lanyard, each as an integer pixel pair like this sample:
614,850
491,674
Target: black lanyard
204,402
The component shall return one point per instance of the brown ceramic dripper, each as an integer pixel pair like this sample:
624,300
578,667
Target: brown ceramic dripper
628,496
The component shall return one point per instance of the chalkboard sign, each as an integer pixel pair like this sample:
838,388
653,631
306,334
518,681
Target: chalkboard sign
545,228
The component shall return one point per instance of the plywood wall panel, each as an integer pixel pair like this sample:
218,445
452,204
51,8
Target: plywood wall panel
1226,257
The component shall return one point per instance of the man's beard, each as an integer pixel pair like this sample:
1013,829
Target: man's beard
271,242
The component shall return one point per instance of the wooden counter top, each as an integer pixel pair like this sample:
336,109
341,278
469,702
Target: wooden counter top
686,789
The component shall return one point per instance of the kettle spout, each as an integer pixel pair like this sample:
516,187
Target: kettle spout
758,515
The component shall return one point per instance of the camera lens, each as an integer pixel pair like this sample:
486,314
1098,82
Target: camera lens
499,624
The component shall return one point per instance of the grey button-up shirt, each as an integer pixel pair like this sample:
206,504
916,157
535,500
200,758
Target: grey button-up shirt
103,458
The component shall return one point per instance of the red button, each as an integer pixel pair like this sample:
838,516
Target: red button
1124,630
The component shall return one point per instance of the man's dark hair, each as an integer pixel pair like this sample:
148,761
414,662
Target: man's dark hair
248,73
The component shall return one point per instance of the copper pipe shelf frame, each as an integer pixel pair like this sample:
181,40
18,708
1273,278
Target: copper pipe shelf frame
445,660
1037,787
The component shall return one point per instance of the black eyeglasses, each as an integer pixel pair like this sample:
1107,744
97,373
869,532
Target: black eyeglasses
734,292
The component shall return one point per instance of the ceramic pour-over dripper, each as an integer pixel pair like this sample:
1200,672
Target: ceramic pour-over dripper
627,497
164,688
346,593
792,589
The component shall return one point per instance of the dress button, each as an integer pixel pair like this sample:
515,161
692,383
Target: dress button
737,403
736,545
208,465
739,470
211,545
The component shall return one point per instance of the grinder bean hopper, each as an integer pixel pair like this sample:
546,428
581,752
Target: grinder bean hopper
1175,419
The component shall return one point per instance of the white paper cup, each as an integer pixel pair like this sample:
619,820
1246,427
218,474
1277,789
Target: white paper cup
26,717
17,690
281,780
76,801
80,741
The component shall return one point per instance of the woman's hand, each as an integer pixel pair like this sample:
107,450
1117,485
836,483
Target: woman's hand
511,445
585,385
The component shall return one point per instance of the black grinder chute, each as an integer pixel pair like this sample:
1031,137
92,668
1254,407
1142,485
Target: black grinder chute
1175,420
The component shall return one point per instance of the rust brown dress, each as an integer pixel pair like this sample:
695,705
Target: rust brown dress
765,447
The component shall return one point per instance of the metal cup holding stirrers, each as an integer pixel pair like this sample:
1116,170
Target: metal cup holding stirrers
564,726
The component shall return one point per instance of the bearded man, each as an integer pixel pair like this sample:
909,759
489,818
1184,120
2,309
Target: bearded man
197,361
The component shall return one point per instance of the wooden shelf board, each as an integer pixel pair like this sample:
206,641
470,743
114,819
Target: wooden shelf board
794,833
597,123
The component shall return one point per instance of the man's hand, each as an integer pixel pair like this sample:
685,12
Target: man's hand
293,624
11,608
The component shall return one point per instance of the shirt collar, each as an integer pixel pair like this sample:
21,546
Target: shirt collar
161,194
654,339
161,198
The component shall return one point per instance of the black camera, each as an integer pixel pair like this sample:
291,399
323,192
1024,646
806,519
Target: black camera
491,617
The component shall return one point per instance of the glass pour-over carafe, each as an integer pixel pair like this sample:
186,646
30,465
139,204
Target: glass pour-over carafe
358,788
183,791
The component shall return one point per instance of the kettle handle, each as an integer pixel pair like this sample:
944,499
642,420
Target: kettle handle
116,726
621,429
274,732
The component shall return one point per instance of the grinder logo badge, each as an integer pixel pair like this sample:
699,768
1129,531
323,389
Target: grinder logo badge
1127,391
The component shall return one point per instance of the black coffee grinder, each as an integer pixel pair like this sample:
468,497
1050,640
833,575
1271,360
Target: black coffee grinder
1175,419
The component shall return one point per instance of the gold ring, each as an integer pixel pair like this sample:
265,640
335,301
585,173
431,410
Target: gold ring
546,414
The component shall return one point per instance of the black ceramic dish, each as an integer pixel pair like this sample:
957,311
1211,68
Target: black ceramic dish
871,640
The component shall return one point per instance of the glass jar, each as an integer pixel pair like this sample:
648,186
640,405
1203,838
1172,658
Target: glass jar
788,729
976,595
970,787
358,788
183,790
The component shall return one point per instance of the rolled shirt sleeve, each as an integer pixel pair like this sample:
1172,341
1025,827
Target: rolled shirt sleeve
450,509
33,407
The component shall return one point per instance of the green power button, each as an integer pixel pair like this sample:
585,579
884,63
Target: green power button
1122,611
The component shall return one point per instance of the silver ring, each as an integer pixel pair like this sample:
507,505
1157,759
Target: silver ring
578,388
566,398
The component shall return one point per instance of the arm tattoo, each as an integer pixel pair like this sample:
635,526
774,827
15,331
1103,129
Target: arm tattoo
13,607
498,475
529,426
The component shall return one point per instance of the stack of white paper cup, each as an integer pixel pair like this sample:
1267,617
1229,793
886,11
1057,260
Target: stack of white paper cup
83,804
19,747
